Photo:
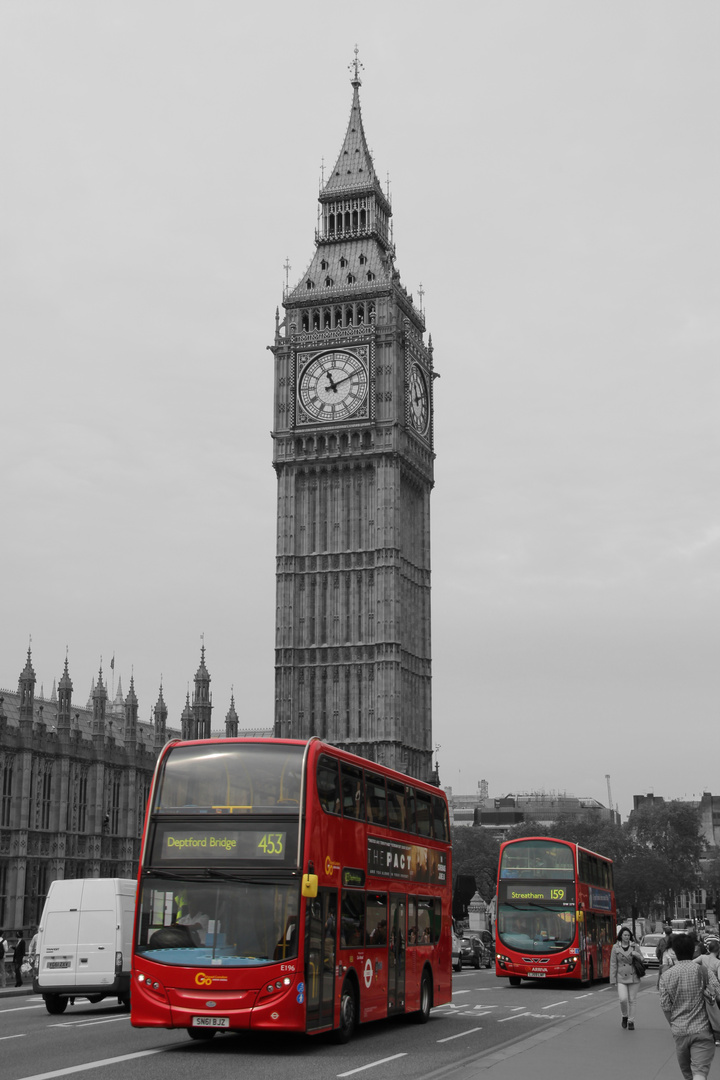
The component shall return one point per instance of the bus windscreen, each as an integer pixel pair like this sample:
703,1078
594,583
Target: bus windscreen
234,778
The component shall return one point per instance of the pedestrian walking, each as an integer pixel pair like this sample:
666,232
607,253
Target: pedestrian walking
660,951
683,991
3,951
711,962
18,957
624,976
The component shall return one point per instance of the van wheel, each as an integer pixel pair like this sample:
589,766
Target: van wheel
201,1033
423,1014
348,1014
458,966
124,1000
55,1004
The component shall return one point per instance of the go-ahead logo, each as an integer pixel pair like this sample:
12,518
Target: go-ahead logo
201,979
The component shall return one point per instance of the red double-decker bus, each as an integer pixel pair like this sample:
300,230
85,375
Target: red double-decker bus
289,886
555,914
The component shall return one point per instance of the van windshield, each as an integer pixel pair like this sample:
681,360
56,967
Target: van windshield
226,923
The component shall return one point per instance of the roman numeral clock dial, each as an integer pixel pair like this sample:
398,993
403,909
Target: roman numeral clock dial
333,386
419,400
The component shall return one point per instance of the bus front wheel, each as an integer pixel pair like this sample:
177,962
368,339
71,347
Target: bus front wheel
515,980
423,1014
348,1014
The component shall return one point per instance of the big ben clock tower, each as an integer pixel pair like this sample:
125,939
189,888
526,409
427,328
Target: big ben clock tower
353,453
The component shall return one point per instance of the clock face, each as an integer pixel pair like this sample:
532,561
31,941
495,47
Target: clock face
418,399
333,386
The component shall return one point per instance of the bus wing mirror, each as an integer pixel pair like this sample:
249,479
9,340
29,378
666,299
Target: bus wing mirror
310,885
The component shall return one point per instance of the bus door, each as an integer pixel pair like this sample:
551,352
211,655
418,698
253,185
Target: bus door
396,954
321,935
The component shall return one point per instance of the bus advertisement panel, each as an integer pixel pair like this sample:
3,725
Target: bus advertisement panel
289,886
555,911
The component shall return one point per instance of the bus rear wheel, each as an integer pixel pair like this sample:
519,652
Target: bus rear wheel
423,1014
515,980
348,1014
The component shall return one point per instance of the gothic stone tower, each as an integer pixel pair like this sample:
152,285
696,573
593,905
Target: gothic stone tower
353,453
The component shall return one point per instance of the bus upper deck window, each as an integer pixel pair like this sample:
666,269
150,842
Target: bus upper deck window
328,785
397,816
353,803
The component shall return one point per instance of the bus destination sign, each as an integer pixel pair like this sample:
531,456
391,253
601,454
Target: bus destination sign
184,845
411,862
524,892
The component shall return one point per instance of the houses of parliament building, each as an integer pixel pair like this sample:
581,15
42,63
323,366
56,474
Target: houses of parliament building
75,779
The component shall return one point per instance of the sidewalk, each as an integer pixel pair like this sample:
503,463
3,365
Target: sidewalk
592,1046
15,991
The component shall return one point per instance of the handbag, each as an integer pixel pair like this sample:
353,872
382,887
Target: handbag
638,966
711,1006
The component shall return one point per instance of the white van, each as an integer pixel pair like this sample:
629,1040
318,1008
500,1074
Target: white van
84,941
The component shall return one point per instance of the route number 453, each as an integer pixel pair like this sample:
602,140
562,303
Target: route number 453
271,843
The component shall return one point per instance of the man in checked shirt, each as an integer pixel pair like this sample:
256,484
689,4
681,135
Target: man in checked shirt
682,999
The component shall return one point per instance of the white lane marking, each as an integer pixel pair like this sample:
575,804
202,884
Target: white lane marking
90,1023
3,1037
22,1008
91,1065
556,1004
517,1016
351,1072
581,996
471,1031
456,992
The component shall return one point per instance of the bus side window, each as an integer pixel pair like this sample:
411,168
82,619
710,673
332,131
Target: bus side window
353,803
412,930
410,803
396,805
352,918
376,799
439,819
425,920
328,785
423,813
376,919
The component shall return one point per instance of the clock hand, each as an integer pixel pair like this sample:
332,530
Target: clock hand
332,386
344,379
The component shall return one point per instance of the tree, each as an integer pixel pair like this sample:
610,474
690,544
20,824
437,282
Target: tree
672,832
475,853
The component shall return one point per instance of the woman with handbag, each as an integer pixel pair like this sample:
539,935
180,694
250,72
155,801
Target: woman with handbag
624,957
711,962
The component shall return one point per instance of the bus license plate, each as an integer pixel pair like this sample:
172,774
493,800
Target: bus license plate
536,974
211,1021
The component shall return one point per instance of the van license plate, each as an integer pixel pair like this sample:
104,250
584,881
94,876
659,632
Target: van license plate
211,1021
58,964
536,974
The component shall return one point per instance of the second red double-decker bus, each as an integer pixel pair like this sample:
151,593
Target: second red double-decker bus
555,914
289,886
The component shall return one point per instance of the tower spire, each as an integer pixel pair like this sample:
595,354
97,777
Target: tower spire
354,68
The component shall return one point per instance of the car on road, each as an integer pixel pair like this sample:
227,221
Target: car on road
474,949
648,945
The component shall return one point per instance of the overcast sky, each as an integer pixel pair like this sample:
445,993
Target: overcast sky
554,170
